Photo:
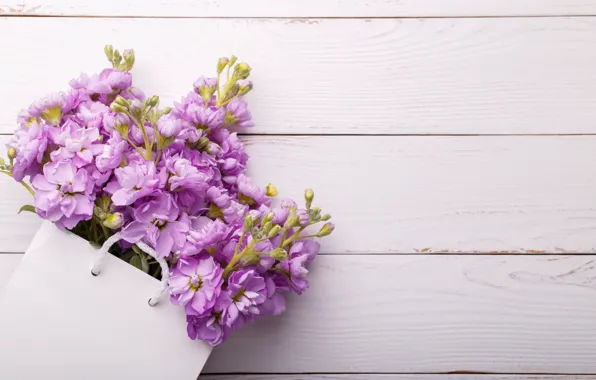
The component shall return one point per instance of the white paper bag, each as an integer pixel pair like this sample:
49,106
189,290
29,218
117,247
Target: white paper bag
58,322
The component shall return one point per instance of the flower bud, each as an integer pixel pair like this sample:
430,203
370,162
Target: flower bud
245,87
122,129
109,50
129,59
166,111
271,190
202,143
242,70
326,217
152,101
315,213
233,60
303,218
327,229
12,153
114,221
116,59
169,126
279,254
251,258
99,213
230,92
268,218
266,227
309,196
248,223
221,64
274,231
117,108
293,220
205,87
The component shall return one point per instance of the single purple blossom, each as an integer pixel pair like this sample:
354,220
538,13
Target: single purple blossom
184,175
160,223
250,193
76,143
196,284
238,114
112,153
204,233
169,126
63,194
49,108
138,179
295,273
30,144
210,327
247,290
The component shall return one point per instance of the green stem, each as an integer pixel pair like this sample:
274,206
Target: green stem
25,185
148,147
295,236
218,87
105,230
136,147
29,189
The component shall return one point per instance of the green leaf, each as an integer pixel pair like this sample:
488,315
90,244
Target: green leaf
29,208
144,264
136,261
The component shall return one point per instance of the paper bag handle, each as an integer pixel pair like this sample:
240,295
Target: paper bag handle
165,270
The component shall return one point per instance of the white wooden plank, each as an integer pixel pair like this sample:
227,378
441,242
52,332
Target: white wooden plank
299,8
403,314
414,76
408,194
370,376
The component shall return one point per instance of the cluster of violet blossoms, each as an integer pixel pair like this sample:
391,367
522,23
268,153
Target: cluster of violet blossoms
103,158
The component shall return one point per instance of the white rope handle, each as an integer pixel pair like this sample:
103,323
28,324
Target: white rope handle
165,270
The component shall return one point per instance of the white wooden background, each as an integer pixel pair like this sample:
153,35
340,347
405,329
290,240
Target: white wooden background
454,141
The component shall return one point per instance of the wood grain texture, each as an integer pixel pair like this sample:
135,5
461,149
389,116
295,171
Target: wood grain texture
425,314
417,194
299,8
370,376
382,76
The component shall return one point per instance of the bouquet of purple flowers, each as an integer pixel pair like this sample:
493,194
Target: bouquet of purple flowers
103,159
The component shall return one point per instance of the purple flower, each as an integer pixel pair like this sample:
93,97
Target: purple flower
184,175
169,126
303,218
235,212
246,290
76,143
306,247
249,193
203,82
159,223
116,79
49,108
112,153
295,273
209,327
94,114
137,180
218,197
196,284
63,194
31,144
205,117
275,304
238,114
205,233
